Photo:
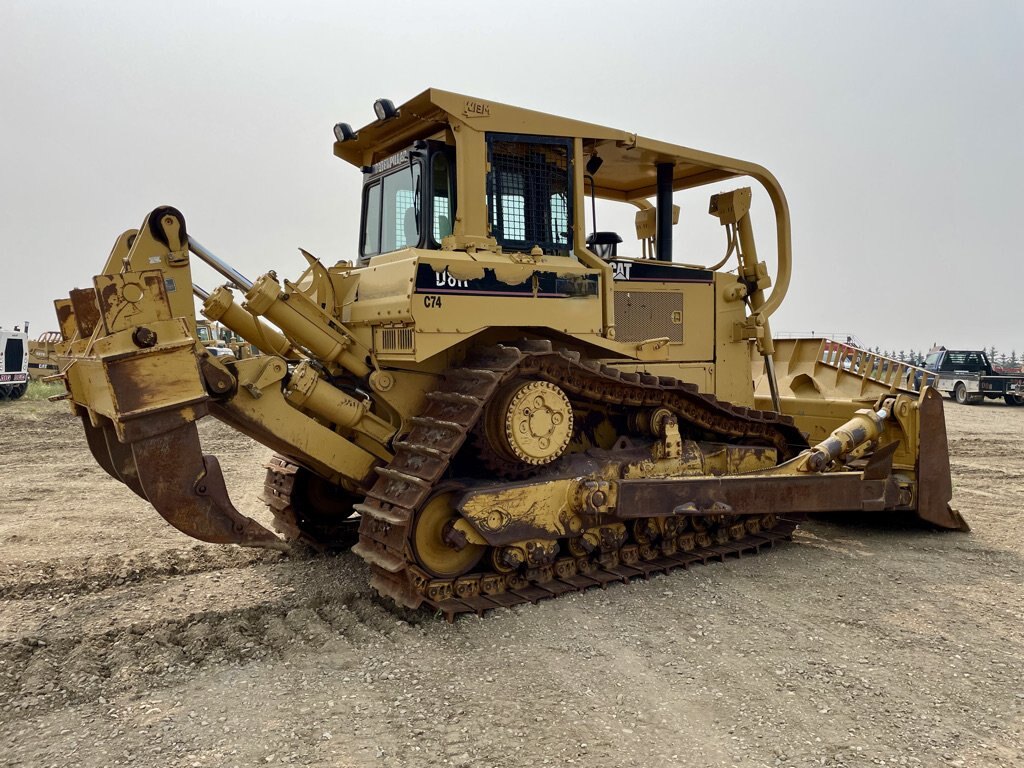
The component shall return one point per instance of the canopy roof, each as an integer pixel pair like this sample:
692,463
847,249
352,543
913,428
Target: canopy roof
627,173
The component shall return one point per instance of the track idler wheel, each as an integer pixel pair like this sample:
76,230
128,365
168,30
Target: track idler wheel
436,550
529,422
318,513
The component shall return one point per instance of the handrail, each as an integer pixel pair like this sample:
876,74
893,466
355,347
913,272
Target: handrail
875,367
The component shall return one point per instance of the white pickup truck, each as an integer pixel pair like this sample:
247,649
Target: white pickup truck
967,377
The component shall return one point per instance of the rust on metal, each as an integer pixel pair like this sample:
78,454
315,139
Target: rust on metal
85,311
935,486
188,490
753,494
65,318
218,382
161,378
157,423
129,299
123,460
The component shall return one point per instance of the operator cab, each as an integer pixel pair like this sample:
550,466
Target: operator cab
408,200
527,192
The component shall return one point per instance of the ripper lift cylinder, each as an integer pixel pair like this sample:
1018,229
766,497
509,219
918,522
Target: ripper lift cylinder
304,388
220,307
302,321
307,390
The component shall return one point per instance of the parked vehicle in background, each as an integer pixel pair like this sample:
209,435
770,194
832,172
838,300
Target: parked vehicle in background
221,341
967,376
13,363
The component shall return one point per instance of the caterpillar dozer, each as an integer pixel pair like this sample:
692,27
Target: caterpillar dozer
42,355
489,403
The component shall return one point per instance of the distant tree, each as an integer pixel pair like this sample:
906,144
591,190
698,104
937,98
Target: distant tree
1013,357
992,354
902,356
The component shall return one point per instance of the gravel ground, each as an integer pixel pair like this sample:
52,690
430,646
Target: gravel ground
123,643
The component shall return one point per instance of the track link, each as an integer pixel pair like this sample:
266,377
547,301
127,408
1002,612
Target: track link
423,457
325,525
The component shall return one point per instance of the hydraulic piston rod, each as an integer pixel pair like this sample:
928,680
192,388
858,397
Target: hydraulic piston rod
233,275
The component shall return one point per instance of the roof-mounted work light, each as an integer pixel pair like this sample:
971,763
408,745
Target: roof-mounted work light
385,109
344,132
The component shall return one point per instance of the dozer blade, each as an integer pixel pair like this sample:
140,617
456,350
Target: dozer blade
935,486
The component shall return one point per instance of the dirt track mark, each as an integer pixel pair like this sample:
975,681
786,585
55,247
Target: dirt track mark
68,662
71,576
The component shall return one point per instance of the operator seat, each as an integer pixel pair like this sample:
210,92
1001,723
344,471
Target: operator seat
412,228
444,227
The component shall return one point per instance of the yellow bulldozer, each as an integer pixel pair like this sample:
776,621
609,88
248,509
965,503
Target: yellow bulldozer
492,404
42,355
223,342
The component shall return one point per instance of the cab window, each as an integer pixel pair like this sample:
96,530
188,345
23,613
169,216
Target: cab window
529,192
391,211
441,197
371,227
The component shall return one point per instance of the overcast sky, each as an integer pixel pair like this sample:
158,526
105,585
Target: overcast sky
896,129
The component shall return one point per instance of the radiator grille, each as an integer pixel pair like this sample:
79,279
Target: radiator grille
642,315
396,340
14,353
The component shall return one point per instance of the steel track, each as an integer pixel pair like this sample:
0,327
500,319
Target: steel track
423,457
